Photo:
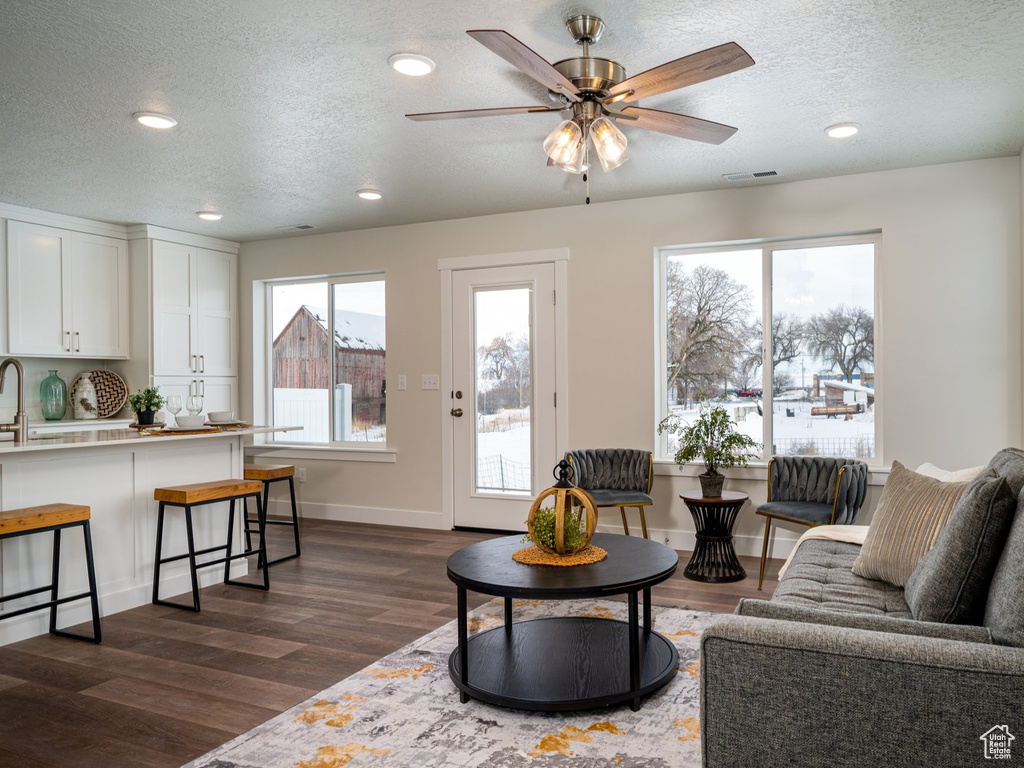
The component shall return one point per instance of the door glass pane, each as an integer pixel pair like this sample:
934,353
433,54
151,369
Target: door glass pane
359,357
504,354
824,349
299,371
714,337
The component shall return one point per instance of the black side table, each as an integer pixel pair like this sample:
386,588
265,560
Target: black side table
714,558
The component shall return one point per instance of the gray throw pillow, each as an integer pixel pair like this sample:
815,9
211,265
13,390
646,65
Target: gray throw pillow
950,583
1004,611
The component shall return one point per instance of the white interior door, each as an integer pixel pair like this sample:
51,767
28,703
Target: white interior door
503,397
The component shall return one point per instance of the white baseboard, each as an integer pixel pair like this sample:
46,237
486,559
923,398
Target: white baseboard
405,518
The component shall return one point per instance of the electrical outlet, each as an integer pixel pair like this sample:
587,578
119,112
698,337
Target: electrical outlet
302,474
401,383
430,381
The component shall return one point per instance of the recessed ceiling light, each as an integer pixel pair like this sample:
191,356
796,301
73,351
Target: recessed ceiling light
370,194
209,215
842,130
411,64
155,120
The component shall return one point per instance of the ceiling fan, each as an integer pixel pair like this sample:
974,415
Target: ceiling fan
591,88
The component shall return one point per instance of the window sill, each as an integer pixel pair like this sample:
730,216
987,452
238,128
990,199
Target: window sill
321,453
754,471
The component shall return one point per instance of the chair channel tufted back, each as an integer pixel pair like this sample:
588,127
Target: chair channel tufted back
815,479
618,469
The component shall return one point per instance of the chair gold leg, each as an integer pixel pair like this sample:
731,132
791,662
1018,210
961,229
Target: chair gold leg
643,522
764,550
625,524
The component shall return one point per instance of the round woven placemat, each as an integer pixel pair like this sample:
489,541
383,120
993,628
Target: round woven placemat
111,391
534,555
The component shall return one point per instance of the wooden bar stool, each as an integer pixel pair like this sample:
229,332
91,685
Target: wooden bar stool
53,517
267,474
198,494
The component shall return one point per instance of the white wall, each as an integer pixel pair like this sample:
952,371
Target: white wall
951,353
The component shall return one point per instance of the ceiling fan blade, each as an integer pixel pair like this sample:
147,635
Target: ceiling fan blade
695,68
460,113
674,124
522,57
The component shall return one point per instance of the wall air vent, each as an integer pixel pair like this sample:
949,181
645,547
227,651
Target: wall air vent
295,228
750,175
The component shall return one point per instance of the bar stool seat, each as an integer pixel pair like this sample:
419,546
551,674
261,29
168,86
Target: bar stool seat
56,518
198,494
272,473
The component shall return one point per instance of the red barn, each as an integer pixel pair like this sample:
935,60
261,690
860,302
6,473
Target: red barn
301,357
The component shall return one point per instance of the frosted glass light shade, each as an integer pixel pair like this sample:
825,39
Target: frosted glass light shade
564,144
609,142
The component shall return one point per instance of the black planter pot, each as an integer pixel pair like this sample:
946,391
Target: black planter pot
145,417
711,485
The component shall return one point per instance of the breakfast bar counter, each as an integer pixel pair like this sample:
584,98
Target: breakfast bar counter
114,472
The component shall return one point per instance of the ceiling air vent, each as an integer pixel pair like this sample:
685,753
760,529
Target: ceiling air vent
295,228
750,175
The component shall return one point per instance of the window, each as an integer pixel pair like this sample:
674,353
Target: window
327,360
802,383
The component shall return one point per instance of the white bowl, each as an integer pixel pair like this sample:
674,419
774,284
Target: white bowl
190,422
221,415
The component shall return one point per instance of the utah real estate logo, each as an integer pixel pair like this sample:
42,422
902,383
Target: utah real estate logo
997,741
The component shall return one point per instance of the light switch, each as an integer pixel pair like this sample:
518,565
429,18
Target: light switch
430,381
401,383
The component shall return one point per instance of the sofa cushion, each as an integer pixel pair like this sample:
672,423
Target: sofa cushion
950,583
820,576
1009,463
910,514
1004,610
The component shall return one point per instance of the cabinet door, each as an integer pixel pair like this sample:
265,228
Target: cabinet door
38,290
99,293
174,290
217,330
219,393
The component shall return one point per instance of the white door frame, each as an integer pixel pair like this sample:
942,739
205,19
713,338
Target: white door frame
559,257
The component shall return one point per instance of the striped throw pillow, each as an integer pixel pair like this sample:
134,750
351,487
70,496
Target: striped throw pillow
910,515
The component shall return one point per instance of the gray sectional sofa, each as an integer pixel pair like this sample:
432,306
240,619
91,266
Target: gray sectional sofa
835,670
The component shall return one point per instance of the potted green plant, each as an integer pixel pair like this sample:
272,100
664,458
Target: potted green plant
146,402
713,439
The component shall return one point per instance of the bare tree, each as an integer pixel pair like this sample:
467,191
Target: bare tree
707,316
787,343
506,362
843,337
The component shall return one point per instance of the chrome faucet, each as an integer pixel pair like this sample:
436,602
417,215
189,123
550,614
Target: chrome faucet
20,424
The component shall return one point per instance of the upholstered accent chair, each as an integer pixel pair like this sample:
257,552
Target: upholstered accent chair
812,491
615,477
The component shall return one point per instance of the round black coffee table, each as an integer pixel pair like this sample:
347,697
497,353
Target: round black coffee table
570,662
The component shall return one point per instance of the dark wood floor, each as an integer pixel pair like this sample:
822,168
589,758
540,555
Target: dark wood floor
168,685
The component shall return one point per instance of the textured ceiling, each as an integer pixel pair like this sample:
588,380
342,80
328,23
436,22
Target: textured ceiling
285,109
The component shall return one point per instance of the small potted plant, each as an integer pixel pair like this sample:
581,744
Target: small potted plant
713,439
146,402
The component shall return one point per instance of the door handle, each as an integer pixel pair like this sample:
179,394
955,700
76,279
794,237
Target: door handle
194,367
202,363
202,387
456,412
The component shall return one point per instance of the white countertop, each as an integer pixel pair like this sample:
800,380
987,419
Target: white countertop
105,437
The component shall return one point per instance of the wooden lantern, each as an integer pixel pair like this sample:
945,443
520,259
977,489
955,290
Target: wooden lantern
572,506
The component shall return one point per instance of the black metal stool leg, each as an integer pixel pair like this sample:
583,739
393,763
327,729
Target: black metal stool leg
55,577
93,590
159,554
295,515
193,568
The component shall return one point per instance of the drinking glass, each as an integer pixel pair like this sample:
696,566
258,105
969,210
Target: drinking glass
194,405
174,405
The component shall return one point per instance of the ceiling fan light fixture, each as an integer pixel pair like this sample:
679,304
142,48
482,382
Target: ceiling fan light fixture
564,144
609,142
842,130
411,64
155,120
370,194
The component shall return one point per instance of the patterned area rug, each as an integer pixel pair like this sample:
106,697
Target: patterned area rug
405,711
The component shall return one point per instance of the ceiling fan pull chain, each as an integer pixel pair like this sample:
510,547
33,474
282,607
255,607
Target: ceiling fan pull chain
586,175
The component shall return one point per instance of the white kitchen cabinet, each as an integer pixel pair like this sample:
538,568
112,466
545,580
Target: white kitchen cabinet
219,393
67,293
195,299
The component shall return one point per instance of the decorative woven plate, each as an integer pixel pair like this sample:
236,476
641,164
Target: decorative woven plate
111,391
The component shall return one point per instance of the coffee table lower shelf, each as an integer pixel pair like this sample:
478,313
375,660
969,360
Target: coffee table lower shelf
561,664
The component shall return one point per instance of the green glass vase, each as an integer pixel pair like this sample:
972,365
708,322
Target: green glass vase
53,396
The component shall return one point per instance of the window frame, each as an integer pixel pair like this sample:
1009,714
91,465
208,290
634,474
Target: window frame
767,246
281,440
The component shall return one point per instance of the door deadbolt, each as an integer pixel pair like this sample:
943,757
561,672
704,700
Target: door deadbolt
456,412
458,394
